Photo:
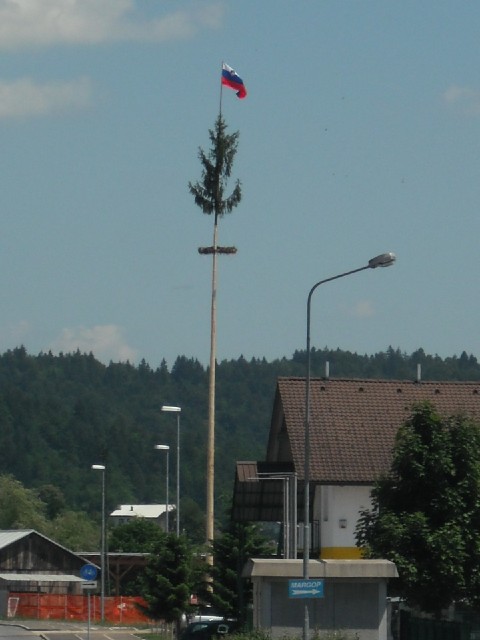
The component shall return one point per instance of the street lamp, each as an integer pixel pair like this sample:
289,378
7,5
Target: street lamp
102,468
383,260
176,410
165,447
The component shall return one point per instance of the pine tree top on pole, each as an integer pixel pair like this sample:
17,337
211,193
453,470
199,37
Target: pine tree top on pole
217,163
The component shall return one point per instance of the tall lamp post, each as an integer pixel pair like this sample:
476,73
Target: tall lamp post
176,410
102,468
165,447
383,260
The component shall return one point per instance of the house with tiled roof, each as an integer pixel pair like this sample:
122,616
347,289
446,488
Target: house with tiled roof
353,424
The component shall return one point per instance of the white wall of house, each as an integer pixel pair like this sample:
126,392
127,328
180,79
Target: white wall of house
337,509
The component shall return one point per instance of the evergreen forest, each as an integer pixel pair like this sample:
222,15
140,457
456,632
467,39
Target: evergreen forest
61,414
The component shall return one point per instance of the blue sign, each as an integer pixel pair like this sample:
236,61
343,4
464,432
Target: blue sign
88,572
305,588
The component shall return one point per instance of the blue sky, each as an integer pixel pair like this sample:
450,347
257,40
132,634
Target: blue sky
359,135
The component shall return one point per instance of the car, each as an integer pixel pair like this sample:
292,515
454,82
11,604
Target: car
208,629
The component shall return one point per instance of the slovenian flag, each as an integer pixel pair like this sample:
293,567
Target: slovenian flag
230,79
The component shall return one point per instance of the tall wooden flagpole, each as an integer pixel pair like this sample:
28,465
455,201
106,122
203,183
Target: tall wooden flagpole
210,522
208,195
211,398
215,250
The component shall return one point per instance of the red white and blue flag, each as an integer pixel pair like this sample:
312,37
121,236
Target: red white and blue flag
233,81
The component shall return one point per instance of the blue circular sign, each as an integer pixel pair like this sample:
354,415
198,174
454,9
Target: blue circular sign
88,572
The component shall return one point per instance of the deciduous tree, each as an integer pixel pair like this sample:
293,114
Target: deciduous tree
138,536
426,512
20,508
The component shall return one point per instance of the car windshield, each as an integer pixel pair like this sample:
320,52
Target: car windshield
196,627
205,630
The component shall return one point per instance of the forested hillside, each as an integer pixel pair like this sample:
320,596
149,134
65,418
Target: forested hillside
60,414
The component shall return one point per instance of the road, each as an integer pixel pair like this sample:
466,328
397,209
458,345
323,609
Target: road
7,631
53,630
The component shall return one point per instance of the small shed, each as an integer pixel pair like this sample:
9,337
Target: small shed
353,597
31,562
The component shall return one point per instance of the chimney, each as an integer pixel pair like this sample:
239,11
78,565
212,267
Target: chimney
419,373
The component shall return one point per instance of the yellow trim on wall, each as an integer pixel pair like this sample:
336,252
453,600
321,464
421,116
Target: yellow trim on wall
341,553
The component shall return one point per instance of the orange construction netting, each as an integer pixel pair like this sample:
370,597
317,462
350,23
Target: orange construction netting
118,609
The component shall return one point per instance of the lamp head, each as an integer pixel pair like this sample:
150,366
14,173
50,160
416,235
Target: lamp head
162,447
99,467
383,260
166,407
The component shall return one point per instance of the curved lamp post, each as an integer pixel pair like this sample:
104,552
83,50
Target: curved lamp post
176,410
165,447
383,260
102,468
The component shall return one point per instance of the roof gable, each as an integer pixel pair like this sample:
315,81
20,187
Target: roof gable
9,537
26,546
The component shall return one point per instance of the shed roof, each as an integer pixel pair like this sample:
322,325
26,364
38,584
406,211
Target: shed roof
40,577
259,490
352,569
8,537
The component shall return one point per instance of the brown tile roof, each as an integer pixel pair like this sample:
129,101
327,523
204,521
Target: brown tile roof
353,422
